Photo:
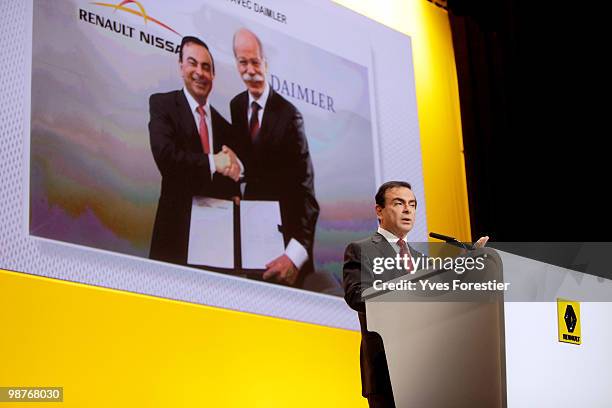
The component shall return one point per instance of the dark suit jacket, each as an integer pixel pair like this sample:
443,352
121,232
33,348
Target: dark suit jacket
278,166
185,171
357,277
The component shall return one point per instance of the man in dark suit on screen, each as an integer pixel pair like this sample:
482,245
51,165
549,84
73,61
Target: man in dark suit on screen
189,140
396,212
276,158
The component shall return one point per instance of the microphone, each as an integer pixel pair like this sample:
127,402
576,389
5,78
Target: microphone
450,240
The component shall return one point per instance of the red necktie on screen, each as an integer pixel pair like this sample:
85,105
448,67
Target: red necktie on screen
254,122
203,130
404,251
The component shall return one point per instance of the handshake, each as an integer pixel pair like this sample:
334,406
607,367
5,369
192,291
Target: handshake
227,163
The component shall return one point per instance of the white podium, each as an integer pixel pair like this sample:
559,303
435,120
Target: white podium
443,350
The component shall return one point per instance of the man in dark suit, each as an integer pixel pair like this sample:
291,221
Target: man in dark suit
189,140
396,212
277,161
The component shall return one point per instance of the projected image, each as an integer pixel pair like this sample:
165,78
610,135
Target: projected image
249,153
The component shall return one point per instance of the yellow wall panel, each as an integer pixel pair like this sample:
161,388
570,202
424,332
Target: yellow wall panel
437,94
110,348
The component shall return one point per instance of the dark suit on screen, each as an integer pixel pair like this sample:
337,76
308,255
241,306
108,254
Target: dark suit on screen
278,166
185,171
358,276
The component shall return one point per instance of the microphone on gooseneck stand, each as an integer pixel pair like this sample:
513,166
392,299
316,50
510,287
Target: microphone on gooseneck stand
450,240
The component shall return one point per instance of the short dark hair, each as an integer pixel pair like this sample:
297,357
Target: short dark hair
380,194
195,40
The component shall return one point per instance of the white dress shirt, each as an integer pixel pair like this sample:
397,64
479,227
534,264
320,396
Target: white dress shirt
295,251
392,239
261,101
193,105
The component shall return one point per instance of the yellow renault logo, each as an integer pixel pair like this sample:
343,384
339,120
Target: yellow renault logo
568,319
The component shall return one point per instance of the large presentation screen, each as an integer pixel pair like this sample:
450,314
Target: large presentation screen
147,155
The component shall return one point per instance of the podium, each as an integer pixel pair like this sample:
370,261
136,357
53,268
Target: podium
444,349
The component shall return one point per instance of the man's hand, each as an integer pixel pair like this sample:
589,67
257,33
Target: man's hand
222,161
233,170
226,163
281,270
482,241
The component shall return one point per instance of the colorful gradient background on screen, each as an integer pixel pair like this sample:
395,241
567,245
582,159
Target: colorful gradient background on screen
93,180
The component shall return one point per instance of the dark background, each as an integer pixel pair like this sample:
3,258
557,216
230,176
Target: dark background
535,111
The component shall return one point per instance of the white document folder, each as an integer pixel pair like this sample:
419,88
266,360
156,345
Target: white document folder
213,239
260,238
211,233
